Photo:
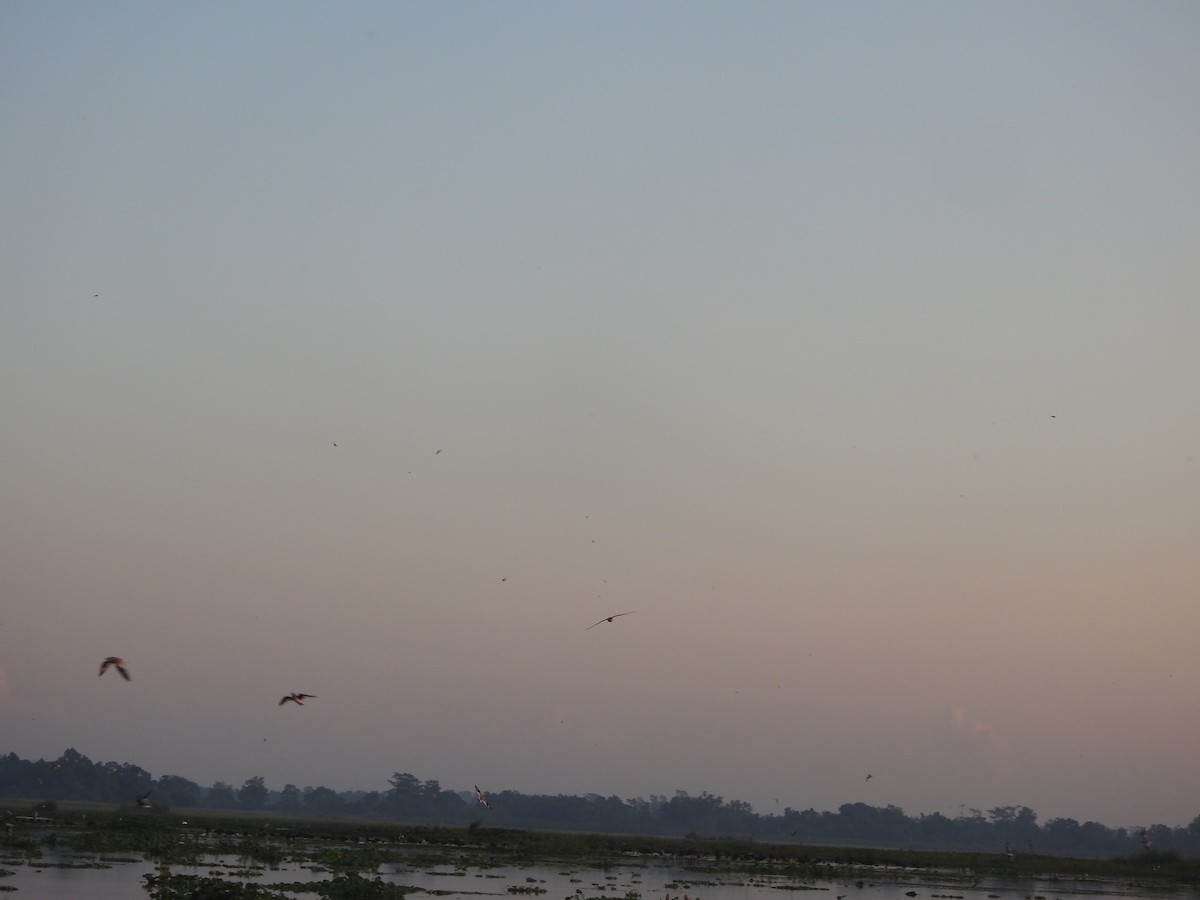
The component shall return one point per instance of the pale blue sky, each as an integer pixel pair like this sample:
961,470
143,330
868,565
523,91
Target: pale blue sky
852,345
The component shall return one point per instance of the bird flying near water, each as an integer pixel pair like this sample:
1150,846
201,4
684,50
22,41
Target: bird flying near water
482,798
609,619
298,699
119,663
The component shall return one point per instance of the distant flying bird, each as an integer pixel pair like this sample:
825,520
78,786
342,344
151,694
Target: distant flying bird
144,799
609,619
482,798
436,452
868,778
298,699
119,663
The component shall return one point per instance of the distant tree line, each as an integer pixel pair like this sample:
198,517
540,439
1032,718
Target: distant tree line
1004,829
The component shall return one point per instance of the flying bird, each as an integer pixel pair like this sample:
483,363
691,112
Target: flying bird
868,778
144,799
298,699
482,798
609,619
119,663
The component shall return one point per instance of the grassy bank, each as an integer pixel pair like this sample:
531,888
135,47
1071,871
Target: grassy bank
184,835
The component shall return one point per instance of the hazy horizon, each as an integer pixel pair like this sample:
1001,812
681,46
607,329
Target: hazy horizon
496,793
375,351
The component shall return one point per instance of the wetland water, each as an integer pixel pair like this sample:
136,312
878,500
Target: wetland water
631,878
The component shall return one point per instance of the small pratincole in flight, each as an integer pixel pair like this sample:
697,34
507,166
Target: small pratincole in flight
144,799
868,778
119,663
298,699
609,619
482,798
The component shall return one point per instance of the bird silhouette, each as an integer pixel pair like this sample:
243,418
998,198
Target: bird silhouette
298,699
609,619
119,663
144,799
868,778
482,798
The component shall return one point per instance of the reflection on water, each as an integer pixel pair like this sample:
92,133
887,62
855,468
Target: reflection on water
68,878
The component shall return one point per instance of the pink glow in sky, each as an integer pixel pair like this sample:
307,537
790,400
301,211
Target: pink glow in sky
852,346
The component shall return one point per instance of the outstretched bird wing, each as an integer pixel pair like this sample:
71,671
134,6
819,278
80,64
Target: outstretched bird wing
115,661
610,618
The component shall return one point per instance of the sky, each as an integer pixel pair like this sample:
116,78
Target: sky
376,350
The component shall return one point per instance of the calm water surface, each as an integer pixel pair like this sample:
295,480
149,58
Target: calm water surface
648,879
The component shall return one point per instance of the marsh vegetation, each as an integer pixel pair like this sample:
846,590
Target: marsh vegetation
197,854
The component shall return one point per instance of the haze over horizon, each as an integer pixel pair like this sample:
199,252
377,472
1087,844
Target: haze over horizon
376,350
